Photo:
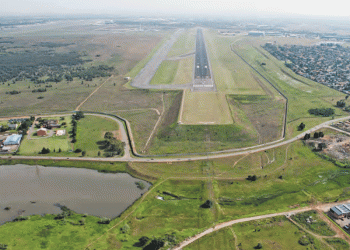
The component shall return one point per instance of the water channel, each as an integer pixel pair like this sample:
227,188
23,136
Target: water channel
29,190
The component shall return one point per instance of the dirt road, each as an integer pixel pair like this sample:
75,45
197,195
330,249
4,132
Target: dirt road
232,222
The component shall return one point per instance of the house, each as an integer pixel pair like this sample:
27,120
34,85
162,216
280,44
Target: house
51,124
13,140
41,132
60,132
13,126
340,211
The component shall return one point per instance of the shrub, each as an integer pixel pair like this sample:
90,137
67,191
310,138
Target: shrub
207,204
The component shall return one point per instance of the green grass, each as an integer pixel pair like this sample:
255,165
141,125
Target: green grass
274,233
338,243
90,132
44,232
184,44
205,108
165,73
222,239
315,224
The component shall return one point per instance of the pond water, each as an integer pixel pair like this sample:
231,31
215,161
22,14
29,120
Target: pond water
29,190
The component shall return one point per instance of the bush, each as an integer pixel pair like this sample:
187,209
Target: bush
124,229
3,246
104,221
45,151
252,178
207,204
78,150
140,185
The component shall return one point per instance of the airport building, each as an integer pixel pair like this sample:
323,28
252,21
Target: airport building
340,211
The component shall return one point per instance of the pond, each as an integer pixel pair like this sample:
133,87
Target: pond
29,190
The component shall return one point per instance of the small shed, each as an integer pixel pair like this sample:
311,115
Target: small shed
60,132
41,132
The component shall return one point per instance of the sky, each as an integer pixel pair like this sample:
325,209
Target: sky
335,8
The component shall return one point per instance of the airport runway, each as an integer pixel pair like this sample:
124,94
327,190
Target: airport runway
203,80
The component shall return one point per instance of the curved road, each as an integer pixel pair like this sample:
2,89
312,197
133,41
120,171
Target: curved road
128,157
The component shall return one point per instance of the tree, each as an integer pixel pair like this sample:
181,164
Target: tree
321,146
99,153
251,178
59,150
301,126
83,153
108,135
259,246
316,135
307,136
207,204
320,134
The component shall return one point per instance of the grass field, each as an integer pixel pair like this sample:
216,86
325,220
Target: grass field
90,133
205,108
270,233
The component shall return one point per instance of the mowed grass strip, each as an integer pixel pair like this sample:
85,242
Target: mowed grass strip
165,73
231,74
205,108
90,133
186,43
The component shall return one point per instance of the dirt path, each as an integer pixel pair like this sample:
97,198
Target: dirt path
156,125
87,98
319,237
232,222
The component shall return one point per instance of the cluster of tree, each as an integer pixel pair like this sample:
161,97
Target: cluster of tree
251,178
341,104
45,151
66,212
78,115
3,246
75,117
318,135
156,243
13,92
322,111
25,125
112,146
39,90
35,64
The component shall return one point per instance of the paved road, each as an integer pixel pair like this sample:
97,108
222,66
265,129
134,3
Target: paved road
212,155
232,222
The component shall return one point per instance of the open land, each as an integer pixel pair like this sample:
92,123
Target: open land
185,186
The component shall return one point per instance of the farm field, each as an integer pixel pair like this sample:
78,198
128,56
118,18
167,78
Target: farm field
273,233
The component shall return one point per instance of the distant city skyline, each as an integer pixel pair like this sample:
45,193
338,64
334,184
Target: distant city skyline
223,8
